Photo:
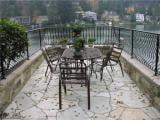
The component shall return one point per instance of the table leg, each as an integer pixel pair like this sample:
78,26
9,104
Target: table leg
91,66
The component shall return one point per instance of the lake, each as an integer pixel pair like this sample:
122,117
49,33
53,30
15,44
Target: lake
146,27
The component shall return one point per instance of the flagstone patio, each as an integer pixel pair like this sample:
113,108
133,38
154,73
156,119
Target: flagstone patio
117,100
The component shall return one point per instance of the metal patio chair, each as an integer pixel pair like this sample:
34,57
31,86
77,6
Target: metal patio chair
105,50
115,56
99,65
54,57
50,65
111,59
71,73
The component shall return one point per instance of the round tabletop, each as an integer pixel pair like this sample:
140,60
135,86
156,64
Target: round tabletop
86,53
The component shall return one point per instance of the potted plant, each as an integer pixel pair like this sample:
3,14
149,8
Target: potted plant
91,41
13,41
76,29
63,42
78,45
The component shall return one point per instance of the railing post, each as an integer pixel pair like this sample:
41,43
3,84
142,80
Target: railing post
119,35
27,47
132,46
108,33
2,63
157,57
40,38
111,33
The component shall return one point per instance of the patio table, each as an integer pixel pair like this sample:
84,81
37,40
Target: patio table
86,54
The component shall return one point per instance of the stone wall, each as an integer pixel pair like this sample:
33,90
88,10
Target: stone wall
15,81
144,78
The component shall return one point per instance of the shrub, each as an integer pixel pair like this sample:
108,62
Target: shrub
91,40
13,41
63,41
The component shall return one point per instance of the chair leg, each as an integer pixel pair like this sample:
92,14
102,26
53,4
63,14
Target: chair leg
57,64
110,65
101,74
121,68
92,71
91,66
109,74
49,82
95,74
88,92
60,97
46,70
65,90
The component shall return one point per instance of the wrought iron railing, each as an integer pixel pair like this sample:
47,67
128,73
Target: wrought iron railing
143,46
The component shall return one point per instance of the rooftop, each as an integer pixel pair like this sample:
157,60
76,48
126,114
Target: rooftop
117,100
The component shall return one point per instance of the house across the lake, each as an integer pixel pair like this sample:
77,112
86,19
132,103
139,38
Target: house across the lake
92,16
24,20
139,17
110,16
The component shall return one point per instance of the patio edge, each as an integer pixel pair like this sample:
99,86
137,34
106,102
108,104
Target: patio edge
143,77
15,81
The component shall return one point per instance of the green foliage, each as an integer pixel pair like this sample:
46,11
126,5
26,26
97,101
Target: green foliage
37,8
91,40
108,5
9,8
66,11
52,12
63,41
12,8
14,40
79,43
85,5
77,27
61,11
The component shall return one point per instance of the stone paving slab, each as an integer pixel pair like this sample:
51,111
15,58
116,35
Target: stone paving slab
117,100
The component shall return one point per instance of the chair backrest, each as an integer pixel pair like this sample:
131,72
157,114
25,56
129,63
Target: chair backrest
116,52
60,50
73,73
55,50
104,49
107,54
47,59
54,53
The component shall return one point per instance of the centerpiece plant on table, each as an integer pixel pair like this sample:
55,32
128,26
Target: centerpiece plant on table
78,45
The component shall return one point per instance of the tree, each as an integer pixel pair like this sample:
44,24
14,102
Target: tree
155,10
66,11
130,10
85,5
102,7
37,8
9,8
52,12
120,7
61,11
